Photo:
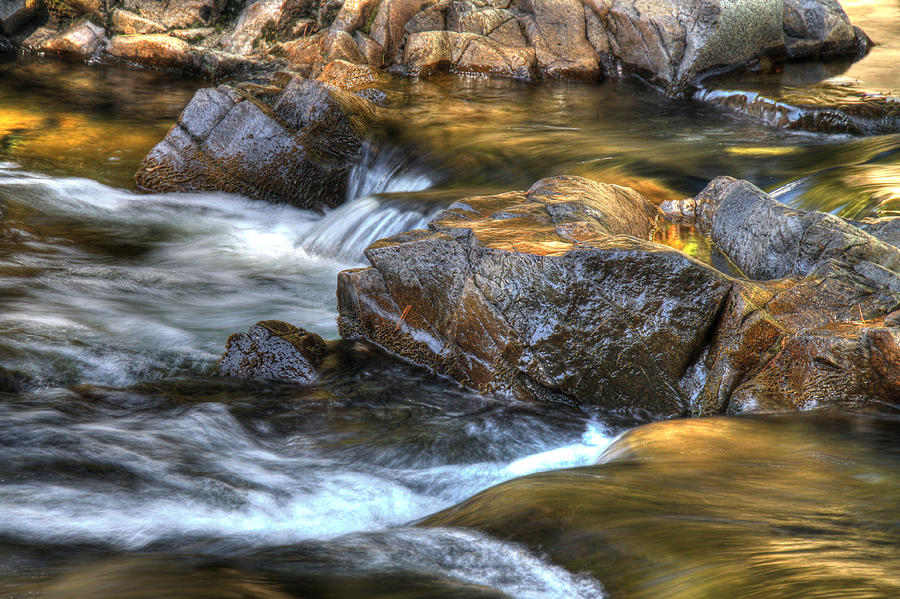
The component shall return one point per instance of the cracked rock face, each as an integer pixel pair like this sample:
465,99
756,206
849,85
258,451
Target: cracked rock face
553,293
298,150
815,321
273,350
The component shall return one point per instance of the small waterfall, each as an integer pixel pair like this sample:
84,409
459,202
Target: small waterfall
385,170
345,232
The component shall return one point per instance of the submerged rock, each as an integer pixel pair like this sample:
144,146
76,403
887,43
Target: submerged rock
823,108
684,497
553,293
273,350
298,150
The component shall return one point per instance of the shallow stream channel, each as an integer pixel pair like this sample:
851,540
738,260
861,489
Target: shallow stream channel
129,470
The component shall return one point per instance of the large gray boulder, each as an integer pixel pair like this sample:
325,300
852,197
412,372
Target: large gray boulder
552,293
298,150
815,322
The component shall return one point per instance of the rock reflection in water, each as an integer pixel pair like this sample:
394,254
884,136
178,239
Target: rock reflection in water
775,507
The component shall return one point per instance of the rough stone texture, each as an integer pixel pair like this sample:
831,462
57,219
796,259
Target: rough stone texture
80,7
817,27
813,325
255,20
371,50
823,108
81,39
673,41
388,27
14,14
273,350
557,31
354,14
431,51
553,293
349,76
340,45
181,14
156,50
299,151
128,23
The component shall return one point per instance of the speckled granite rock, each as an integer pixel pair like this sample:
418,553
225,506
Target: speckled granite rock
273,350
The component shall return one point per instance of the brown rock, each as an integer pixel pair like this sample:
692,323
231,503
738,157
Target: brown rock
354,14
388,27
129,23
81,39
431,51
548,294
674,41
255,22
182,14
556,30
810,328
349,76
155,50
299,151
339,45
371,50
817,27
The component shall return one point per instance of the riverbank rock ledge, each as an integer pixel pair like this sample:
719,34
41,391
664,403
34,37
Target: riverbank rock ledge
297,148
672,43
557,293
273,350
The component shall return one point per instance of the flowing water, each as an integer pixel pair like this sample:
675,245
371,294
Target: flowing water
127,470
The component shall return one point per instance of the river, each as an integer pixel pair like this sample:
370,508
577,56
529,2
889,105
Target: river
127,470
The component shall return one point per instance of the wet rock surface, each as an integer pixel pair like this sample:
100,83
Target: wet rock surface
812,325
554,293
298,149
273,350
826,107
81,39
672,43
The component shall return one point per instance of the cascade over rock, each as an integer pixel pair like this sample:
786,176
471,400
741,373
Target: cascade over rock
552,293
297,150
557,294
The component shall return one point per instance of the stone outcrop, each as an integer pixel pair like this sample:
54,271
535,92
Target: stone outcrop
557,294
181,14
157,50
273,350
672,43
81,39
297,150
815,320
553,293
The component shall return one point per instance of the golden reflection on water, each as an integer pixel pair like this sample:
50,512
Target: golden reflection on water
93,121
718,507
